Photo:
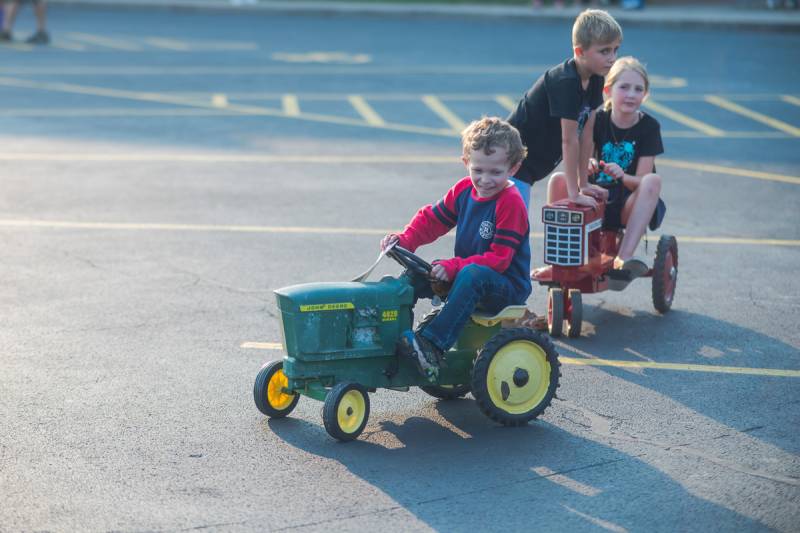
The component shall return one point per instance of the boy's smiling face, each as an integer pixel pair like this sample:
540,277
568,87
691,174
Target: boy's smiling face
598,58
489,172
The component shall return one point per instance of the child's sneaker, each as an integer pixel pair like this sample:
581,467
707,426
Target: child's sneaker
40,37
425,355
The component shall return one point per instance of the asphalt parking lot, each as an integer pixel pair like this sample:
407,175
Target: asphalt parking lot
164,172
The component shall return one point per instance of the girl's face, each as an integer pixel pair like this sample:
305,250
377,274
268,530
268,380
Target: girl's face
628,92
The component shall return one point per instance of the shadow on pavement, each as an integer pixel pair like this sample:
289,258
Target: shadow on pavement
760,405
469,474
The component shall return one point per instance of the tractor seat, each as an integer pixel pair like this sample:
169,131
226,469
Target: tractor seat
512,312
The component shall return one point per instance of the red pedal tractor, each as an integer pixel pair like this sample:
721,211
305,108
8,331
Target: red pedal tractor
580,253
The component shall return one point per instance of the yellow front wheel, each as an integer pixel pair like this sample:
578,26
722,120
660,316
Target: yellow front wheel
270,391
515,376
346,411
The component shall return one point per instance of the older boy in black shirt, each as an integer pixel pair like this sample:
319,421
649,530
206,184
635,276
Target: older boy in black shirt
556,116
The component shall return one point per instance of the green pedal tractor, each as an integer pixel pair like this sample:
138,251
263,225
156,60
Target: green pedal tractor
341,343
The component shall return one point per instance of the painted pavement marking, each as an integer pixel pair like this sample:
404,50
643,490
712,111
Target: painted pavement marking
566,482
366,111
169,44
442,111
372,120
695,124
749,113
506,102
290,105
336,159
684,367
107,42
310,230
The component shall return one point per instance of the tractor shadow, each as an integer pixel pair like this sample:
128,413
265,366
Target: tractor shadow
456,470
748,402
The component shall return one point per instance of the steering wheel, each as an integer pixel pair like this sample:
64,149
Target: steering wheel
410,260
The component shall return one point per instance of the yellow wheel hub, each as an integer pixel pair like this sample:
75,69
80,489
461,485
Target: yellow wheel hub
351,410
275,395
518,377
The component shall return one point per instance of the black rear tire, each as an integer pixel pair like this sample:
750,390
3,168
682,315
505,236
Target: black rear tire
555,311
575,313
665,273
267,391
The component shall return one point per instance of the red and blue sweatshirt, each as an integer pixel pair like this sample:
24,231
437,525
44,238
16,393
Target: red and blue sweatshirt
493,232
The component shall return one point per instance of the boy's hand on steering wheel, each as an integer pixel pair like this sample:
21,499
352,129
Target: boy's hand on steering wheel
388,241
438,272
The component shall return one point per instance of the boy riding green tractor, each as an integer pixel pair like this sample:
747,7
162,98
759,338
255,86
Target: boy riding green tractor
344,340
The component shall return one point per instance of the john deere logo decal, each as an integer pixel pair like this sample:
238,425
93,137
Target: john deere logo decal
327,307
486,230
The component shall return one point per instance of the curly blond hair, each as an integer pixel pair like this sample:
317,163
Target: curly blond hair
489,133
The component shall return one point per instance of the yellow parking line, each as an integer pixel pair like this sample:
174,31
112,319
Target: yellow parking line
682,367
169,44
83,112
365,110
685,367
63,224
684,119
436,105
262,345
749,113
19,47
739,241
116,44
219,100
717,169
290,103
242,109
311,230
291,106
321,159
215,70
506,102
693,134
67,45
791,99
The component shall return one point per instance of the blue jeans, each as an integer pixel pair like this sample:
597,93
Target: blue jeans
475,287
524,190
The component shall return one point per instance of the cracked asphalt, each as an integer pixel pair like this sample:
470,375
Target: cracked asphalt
141,242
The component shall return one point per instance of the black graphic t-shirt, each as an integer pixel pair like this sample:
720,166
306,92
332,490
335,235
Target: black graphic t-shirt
556,94
624,147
